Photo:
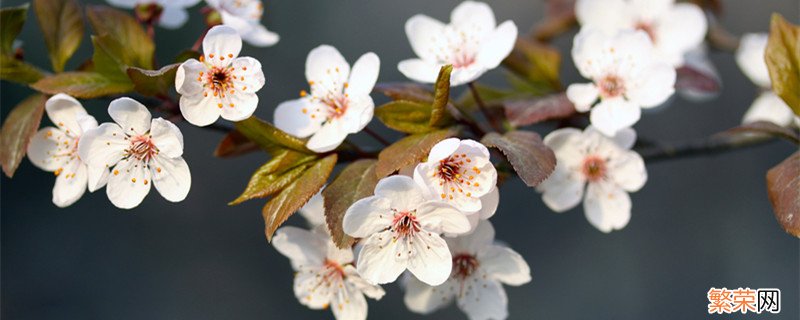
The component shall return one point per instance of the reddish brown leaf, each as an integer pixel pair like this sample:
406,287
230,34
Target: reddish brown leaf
531,158
405,91
409,150
20,125
355,182
234,144
522,112
783,186
769,128
691,78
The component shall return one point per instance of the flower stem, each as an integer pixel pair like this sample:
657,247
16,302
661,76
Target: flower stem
199,41
482,107
376,136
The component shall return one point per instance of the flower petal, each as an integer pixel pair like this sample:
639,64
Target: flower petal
370,290
403,192
505,265
47,149
103,147
367,216
680,29
359,113
64,111
466,75
221,44
310,289
185,81
425,299
654,85
330,135
167,138
173,17
489,204
294,118
582,95
419,70
302,247
364,75
239,106
561,191
348,303
314,210
171,177
604,15
483,299
440,217
475,17
326,70
70,184
430,260
98,177
132,116
443,149
426,36
750,58
627,171
128,184
257,35
250,74
497,45
611,115
607,206
377,262
474,242
769,107
199,110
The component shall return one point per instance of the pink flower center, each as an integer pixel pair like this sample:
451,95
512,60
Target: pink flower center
337,106
333,270
464,265
647,28
405,223
462,60
611,86
594,168
142,148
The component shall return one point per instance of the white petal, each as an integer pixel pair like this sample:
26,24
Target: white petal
425,299
200,111
348,303
611,115
186,82
314,210
180,3
419,70
680,29
104,146
378,262
239,106
769,107
329,136
364,75
606,15
430,260
369,290
483,299
426,36
98,177
334,253
607,207
628,171
300,246
440,217
250,74
588,52
174,179
167,138
653,86
360,110
403,192
474,17
505,265
258,35
131,115
367,216
567,145
87,122
561,191
489,204
327,70
466,75
47,149
750,58
126,186
475,242
126,4
294,118
64,111
221,44
70,184
582,95
310,289
625,138
498,45
443,149
173,17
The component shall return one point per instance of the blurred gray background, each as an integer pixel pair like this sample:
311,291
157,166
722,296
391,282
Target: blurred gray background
698,223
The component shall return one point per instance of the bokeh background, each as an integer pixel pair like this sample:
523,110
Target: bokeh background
699,222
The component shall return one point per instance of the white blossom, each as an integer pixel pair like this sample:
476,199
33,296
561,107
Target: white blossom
768,106
245,17
601,167
624,76
339,103
473,43
325,275
480,268
55,149
401,230
314,210
221,83
140,152
674,28
174,13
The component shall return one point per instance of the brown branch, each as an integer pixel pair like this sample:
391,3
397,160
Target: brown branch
712,145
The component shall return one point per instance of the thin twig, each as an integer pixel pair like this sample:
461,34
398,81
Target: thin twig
707,146
376,136
199,41
482,107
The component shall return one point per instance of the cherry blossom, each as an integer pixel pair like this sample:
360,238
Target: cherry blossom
339,103
245,17
55,149
624,76
473,43
603,166
480,267
459,173
673,28
221,83
768,106
325,275
173,14
314,210
401,230
140,152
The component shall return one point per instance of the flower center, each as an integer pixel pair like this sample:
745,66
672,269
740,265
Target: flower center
405,223
337,106
462,60
142,148
220,81
611,86
594,168
333,270
647,28
454,176
464,265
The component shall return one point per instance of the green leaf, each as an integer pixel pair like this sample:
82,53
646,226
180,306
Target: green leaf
107,58
409,150
355,182
406,91
296,194
82,85
62,28
537,63
440,115
153,82
18,71
405,116
268,137
18,129
783,187
493,97
121,37
783,61
11,21
531,158
274,175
